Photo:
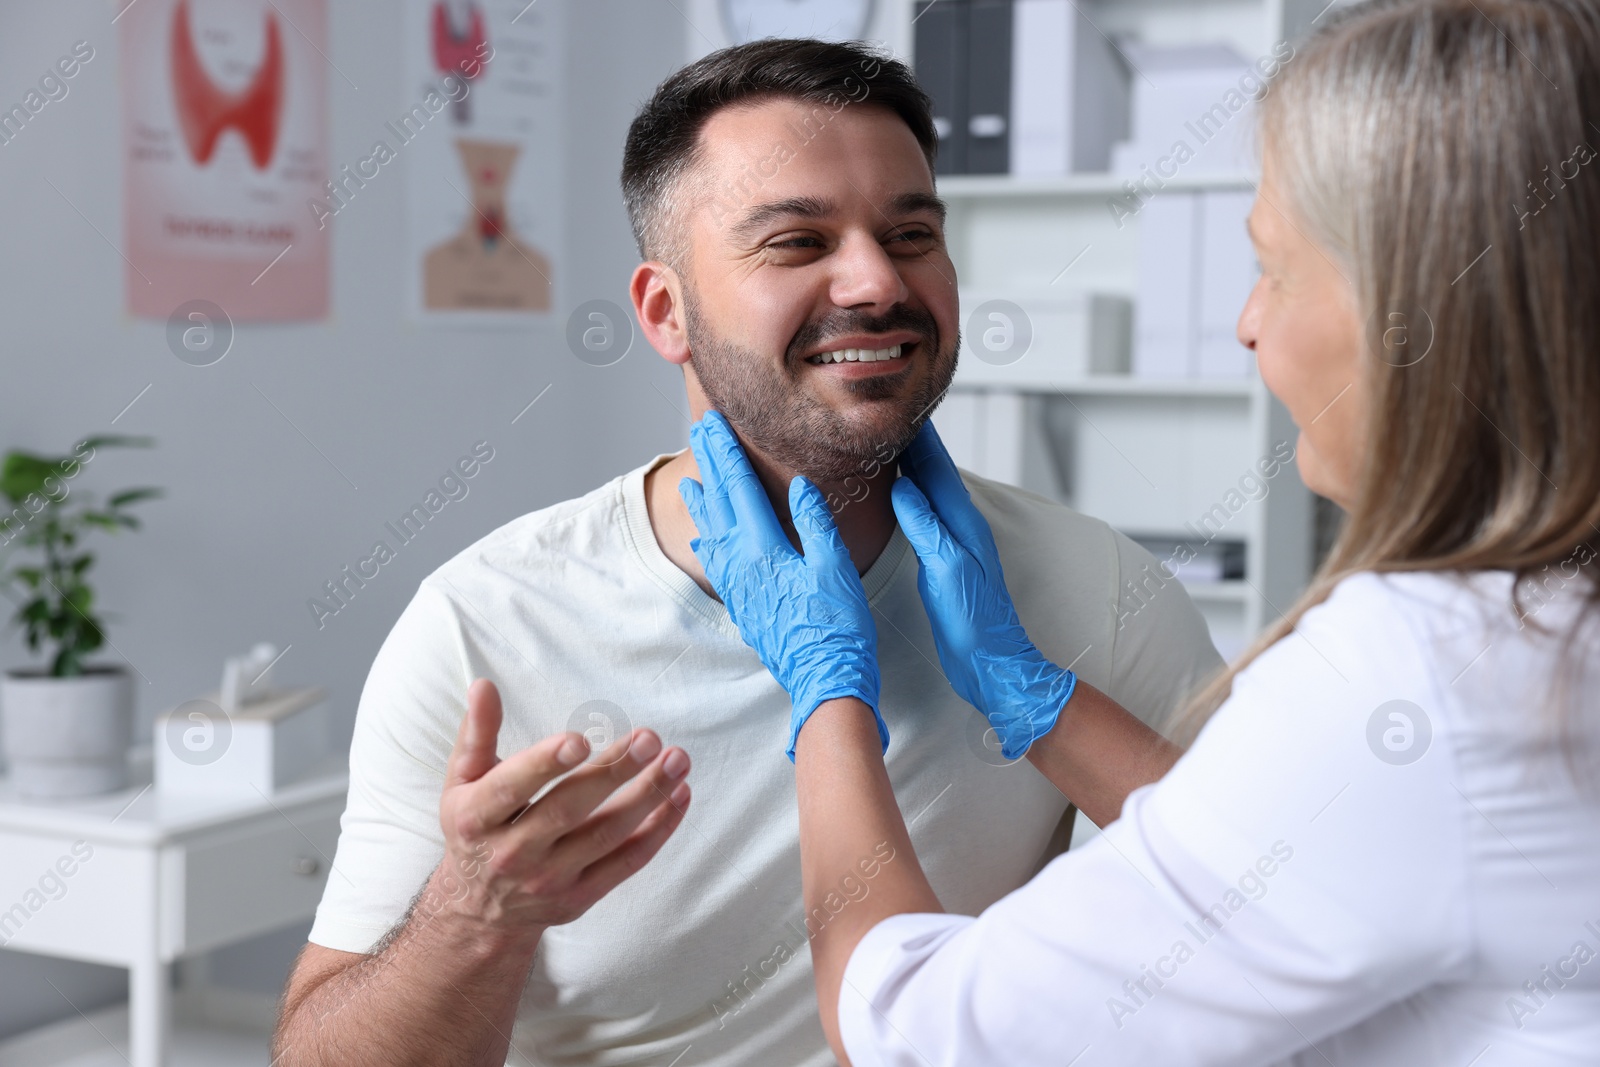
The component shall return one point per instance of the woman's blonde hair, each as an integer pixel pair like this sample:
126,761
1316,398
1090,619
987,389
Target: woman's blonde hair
1442,152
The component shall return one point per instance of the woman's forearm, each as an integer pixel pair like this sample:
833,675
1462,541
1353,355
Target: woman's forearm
857,864
1098,752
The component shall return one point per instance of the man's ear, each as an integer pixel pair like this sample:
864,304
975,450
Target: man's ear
657,294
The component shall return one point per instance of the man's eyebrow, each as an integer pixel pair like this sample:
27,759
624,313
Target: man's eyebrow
909,203
806,207
811,207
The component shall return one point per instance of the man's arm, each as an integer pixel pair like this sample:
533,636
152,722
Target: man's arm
442,988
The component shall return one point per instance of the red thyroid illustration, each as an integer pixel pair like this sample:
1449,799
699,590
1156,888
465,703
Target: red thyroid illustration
205,111
454,52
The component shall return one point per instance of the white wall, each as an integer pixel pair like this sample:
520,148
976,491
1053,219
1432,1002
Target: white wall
255,520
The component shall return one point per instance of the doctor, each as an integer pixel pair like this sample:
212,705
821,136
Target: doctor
1383,847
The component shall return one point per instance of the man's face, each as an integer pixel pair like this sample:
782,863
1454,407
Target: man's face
815,231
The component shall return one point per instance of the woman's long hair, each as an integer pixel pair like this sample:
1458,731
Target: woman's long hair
1444,153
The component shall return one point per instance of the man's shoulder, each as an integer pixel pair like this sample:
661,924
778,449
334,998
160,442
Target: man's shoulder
587,526
1022,520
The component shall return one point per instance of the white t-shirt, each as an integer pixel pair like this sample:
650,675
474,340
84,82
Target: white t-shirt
1397,868
706,946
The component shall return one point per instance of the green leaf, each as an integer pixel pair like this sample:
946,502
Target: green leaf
101,518
113,440
24,473
66,664
129,496
79,597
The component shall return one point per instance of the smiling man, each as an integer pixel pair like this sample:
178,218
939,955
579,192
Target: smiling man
795,267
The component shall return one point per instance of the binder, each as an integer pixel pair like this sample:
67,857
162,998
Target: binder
1069,92
940,60
989,40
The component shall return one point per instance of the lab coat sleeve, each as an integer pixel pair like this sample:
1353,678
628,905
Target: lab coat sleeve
1283,882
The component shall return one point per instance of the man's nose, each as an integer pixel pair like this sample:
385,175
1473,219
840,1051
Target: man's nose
866,275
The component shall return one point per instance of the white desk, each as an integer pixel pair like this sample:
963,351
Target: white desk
163,877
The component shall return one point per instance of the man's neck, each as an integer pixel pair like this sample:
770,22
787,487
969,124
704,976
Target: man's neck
861,510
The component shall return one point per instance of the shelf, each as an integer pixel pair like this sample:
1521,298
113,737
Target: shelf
1123,385
1070,186
1232,591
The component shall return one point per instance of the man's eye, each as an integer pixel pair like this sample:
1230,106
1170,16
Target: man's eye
797,242
913,235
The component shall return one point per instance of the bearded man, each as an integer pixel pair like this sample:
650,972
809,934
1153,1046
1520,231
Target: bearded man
795,266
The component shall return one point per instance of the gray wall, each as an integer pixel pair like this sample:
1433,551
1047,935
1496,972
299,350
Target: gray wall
255,520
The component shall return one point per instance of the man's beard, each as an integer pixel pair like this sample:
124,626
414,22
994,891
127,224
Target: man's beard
774,413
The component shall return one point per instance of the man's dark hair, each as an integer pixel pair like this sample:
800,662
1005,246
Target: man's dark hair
663,141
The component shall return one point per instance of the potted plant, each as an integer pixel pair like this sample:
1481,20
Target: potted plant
66,727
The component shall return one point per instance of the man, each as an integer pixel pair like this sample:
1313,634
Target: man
795,267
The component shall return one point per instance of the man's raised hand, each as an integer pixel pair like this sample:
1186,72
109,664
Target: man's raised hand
521,866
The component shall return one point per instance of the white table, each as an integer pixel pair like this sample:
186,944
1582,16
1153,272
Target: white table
156,877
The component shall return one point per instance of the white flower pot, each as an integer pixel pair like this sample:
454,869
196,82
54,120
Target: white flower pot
67,737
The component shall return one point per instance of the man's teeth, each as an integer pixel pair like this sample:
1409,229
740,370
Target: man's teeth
858,355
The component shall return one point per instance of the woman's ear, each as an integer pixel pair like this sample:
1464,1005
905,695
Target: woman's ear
657,294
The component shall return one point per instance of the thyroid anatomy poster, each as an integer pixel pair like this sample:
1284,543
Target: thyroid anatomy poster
480,130
225,133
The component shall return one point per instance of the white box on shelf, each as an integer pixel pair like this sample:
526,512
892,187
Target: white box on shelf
1001,434
1195,96
1069,91
1227,274
1164,308
1032,339
265,745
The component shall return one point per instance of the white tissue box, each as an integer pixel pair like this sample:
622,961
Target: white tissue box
260,748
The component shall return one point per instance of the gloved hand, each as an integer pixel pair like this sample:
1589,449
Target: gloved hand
982,646
806,616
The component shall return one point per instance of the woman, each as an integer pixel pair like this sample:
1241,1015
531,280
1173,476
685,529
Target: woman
1383,847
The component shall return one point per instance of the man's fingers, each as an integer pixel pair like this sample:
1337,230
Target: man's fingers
474,753
571,801
506,789
614,821
606,874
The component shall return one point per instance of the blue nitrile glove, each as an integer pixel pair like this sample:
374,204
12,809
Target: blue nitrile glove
806,616
982,646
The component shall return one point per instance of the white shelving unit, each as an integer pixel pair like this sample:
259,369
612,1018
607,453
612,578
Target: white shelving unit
1155,458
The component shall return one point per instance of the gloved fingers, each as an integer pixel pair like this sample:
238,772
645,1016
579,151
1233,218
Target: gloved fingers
748,498
928,536
694,499
931,467
717,508
819,536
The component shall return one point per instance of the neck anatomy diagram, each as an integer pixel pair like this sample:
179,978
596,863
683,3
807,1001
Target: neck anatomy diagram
459,50
206,111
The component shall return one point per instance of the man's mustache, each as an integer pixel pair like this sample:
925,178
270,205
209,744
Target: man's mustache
899,317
